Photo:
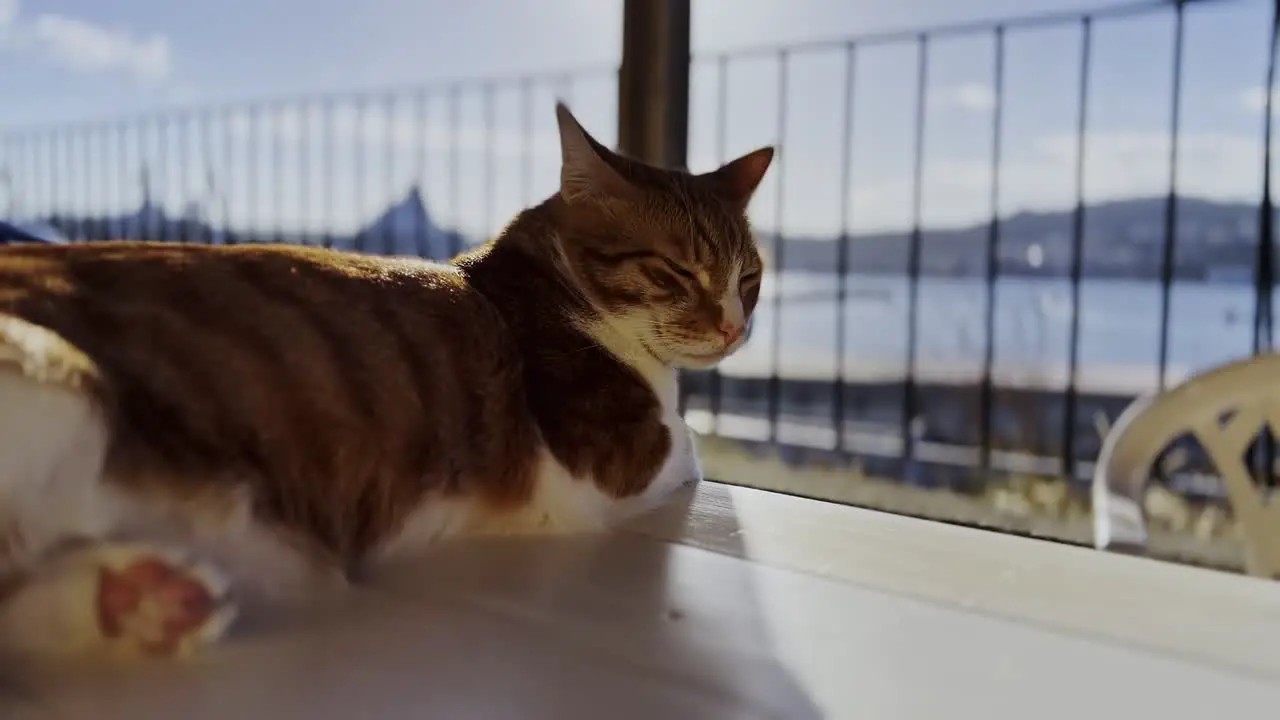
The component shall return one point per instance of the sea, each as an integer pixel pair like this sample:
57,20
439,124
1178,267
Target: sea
1118,329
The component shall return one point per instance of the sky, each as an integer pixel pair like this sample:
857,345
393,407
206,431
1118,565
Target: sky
280,113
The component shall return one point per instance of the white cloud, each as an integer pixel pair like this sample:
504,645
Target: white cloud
84,46
291,126
1040,176
8,13
1037,175
1254,99
971,96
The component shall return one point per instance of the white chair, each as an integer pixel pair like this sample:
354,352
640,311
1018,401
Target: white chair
1224,408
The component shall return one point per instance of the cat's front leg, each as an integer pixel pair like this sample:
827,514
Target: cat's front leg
695,470
682,468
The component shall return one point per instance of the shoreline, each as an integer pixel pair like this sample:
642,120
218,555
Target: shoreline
1025,430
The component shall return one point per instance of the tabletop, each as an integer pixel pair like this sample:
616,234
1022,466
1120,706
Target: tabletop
731,603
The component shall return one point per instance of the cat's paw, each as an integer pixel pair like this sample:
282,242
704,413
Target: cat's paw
116,600
158,603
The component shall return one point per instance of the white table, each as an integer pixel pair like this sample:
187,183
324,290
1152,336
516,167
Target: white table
735,604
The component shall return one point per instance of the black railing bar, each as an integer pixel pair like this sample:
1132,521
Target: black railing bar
715,384
359,169
969,27
14,163
304,172
279,118
158,173
1168,252
1070,398
421,114
101,229
779,253
61,149
441,86
97,160
207,182
148,133
455,202
161,179
327,150
24,154
51,143
159,176
128,141
390,103
1264,272
84,186
526,141
986,404
252,153
75,184
40,174
68,159
909,400
1264,320
186,139
108,150
842,248
6,177
33,195
489,205
228,161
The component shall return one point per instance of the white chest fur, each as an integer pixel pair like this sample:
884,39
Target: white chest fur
573,502
682,464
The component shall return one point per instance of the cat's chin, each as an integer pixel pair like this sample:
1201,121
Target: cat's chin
699,362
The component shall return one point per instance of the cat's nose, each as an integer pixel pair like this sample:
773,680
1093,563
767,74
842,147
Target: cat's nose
733,321
731,331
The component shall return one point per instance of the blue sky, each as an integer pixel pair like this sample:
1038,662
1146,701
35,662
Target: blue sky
82,60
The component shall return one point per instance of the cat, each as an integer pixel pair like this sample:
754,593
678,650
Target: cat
187,428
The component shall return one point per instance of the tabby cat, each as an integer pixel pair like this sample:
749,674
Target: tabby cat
186,428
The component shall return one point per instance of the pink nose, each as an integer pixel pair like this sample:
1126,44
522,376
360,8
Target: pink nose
731,332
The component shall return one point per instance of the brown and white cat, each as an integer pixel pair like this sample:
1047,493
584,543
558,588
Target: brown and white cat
186,427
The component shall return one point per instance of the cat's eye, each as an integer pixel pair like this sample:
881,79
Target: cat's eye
679,269
663,278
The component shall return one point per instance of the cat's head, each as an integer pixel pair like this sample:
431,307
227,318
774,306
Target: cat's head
666,257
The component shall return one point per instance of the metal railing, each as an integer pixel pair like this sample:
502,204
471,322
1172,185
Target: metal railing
975,445
365,149
230,164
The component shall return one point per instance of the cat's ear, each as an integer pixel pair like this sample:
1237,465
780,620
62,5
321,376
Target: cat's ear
738,179
584,172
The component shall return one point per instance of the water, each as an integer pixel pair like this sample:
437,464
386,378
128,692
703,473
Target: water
1119,329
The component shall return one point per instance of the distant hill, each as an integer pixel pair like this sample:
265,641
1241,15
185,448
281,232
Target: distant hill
404,228
1122,239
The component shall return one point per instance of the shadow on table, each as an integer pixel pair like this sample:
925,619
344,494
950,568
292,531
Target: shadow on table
611,626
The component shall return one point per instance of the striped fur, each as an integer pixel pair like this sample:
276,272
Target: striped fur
290,413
